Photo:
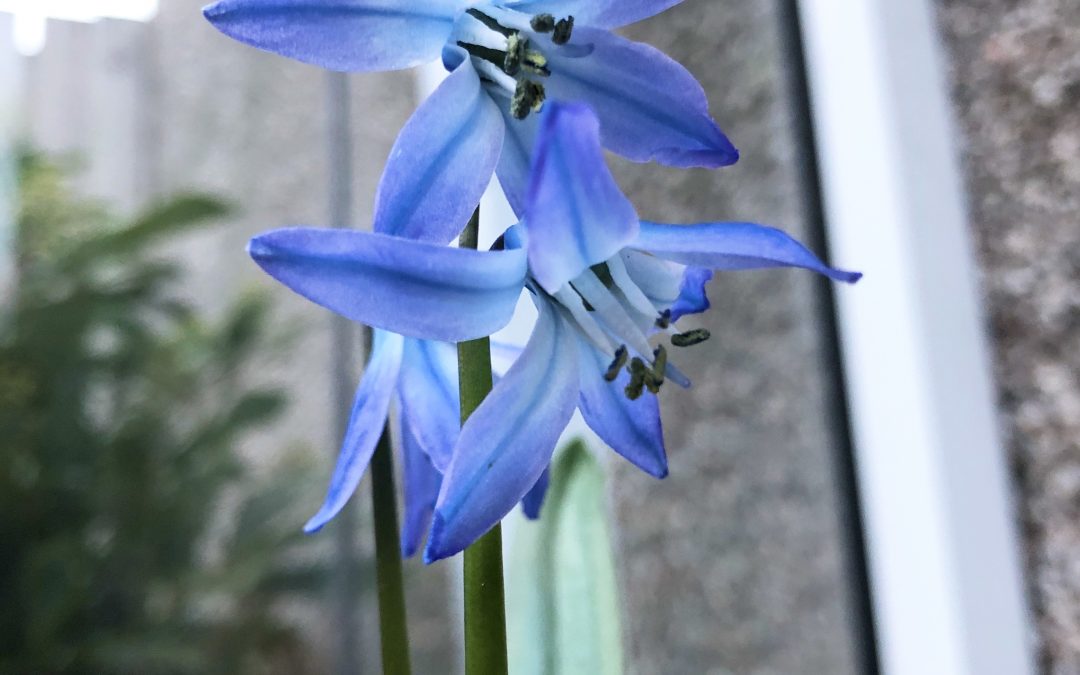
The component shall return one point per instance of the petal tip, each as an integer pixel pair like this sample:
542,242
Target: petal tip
848,277
213,11
317,522
435,551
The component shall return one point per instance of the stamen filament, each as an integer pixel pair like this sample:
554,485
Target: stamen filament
610,312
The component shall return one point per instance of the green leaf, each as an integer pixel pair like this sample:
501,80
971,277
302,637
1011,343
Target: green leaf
562,597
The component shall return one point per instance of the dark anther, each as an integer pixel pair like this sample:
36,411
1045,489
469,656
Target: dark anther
659,366
664,320
496,56
515,54
543,23
537,63
489,22
690,338
616,365
528,97
563,30
651,383
634,390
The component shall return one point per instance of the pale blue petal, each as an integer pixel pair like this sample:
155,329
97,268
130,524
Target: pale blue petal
598,13
344,35
515,161
534,499
692,296
660,280
650,107
630,428
421,487
418,289
366,424
442,162
428,391
576,216
732,246
508,441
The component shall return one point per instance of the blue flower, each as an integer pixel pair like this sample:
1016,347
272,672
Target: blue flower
421,377
604,283
505,57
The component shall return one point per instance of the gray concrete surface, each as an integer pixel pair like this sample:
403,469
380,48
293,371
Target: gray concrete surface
1015,74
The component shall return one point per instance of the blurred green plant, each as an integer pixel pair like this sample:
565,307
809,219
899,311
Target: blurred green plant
562,598
121,410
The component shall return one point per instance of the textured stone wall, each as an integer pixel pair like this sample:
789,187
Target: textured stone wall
735,563
1015,74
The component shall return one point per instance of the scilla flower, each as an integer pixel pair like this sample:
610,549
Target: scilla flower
606,285
421,377
507,57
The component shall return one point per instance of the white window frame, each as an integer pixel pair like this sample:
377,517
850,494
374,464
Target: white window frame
943,550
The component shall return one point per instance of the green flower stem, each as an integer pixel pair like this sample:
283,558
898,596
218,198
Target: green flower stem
485,605
393,629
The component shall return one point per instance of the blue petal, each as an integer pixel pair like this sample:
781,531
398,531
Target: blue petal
650,107
366,424
428,391
692,296
441,162
534,499
508,441
513,168
598,13
345,35
630,428
418,289
660,280
732,246
576,216
421,488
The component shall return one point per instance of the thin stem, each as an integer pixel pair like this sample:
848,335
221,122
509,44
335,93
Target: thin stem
393,629
485,606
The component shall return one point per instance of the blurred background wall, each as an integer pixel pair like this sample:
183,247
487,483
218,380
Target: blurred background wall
1015,76
741,561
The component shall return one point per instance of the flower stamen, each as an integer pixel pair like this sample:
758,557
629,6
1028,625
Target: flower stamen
563,30
621,355
690,338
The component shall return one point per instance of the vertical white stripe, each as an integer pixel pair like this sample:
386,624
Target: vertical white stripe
942,544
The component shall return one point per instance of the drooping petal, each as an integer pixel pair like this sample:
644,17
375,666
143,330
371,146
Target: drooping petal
514,163
508,441
630,428
366,424
343,35
732,246
442,161
534,499
650,107
598,13
576,216
428,392
418,289
421,487
692,296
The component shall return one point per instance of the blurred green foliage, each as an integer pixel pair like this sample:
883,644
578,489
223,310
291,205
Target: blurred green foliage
121,410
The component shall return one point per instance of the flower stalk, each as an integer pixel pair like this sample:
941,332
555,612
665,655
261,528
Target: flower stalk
393,628
485,606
